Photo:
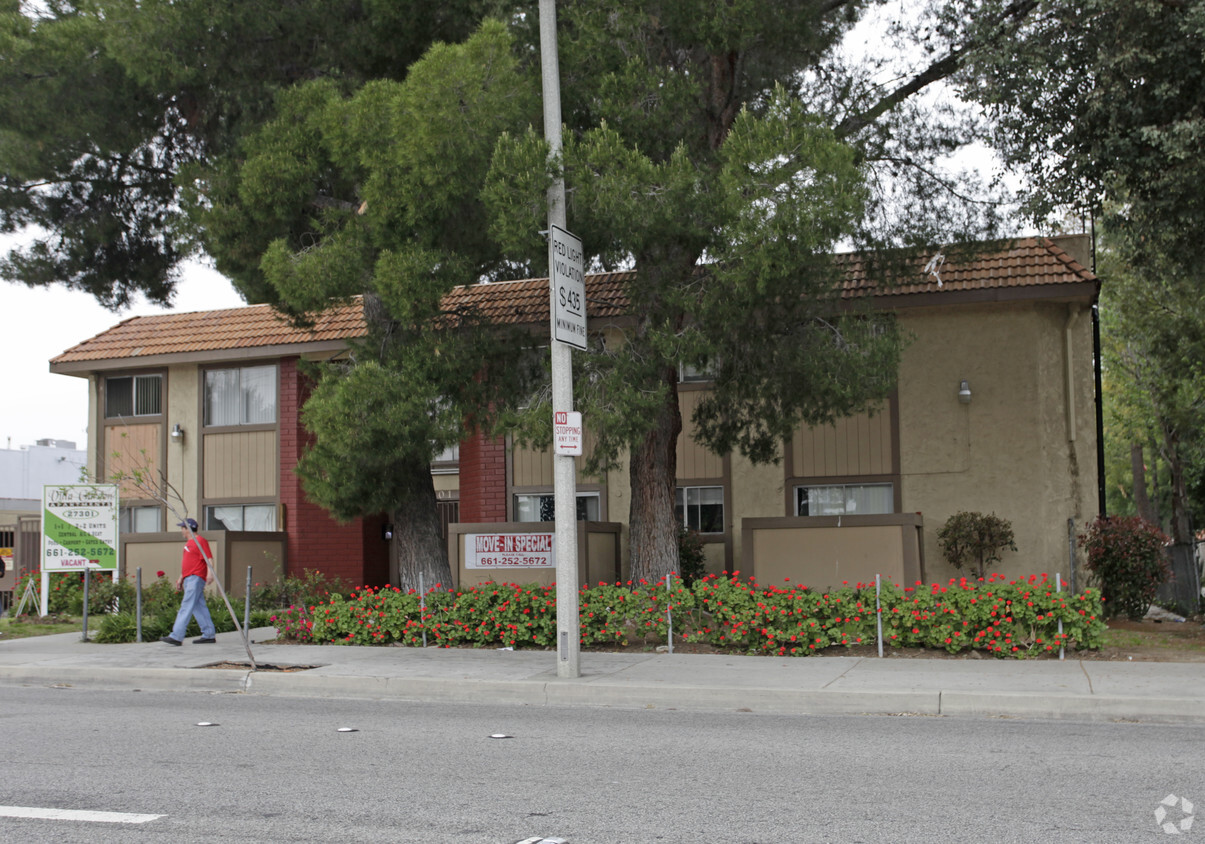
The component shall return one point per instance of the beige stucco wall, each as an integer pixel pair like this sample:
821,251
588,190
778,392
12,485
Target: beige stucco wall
756,491
1008,451
184,408
827,552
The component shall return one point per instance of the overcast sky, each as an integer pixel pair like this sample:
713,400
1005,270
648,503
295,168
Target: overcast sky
38,324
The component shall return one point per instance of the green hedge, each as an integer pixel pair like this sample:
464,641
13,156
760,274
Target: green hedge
120,627
1006,617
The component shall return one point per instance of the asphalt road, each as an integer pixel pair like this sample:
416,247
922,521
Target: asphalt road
278,769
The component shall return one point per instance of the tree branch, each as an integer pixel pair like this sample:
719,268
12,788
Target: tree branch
935,72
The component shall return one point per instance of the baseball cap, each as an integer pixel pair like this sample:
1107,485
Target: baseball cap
191,524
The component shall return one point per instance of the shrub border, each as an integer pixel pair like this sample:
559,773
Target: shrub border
1005,617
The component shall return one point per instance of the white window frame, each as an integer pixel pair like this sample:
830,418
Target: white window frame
845,488
132,518
134,380
208,408
581,496
210,515
688,374
683,507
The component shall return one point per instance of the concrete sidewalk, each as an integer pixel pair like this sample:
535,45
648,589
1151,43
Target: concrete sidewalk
1087,690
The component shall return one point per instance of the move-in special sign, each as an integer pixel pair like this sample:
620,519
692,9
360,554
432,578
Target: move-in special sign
568,279
79,527
509,551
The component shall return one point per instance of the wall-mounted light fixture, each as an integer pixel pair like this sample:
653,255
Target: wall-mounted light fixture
177,434
964,391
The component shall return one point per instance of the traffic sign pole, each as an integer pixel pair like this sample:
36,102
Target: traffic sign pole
568,625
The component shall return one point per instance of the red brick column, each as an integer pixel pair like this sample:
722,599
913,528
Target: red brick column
483,479
354,551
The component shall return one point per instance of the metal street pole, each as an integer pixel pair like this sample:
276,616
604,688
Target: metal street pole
568,625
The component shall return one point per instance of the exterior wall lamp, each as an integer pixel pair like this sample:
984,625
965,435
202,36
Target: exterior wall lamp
964,391
177,434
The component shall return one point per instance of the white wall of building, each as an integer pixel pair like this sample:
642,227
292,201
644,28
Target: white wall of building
25,470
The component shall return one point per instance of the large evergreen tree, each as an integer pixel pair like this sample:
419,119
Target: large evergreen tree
722,150
1100,102
111,109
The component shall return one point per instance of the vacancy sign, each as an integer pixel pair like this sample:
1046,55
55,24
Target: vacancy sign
79,527
568,277
567,432
509,551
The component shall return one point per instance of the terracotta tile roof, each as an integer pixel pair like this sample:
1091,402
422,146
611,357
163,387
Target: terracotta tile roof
526,302
252,327
1026,262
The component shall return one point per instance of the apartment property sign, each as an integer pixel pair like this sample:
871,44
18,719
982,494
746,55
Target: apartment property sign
568,277
79,527
509,551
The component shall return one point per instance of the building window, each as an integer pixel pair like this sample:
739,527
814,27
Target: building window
700,508
242,396
245,517
844,500
133,395
139,520
689,374
447,462
541,507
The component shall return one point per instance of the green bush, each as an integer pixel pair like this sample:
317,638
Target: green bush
1126,554
691,558
1013,618
973,539
65,595
121,627
306,589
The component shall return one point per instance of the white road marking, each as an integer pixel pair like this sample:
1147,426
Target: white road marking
74,815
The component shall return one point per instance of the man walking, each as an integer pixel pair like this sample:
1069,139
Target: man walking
194,574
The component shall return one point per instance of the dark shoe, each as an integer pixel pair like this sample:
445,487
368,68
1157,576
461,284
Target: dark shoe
204,640
170,641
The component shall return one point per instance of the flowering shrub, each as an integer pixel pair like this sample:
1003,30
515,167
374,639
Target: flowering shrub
1006,617
1126,555
64,597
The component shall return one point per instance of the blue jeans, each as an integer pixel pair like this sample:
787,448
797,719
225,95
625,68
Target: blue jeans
193,604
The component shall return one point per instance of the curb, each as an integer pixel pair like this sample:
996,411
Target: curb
1156,710
129,679
595,693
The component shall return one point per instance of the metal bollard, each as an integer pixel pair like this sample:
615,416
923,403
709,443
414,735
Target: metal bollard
87,572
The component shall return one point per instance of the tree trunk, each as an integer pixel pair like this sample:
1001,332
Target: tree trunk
653,470
1142,500
417,538
1185,579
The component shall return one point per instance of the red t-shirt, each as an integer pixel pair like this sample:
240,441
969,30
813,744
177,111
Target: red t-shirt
193,562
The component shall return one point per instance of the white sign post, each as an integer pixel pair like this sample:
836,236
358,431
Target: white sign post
568,317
